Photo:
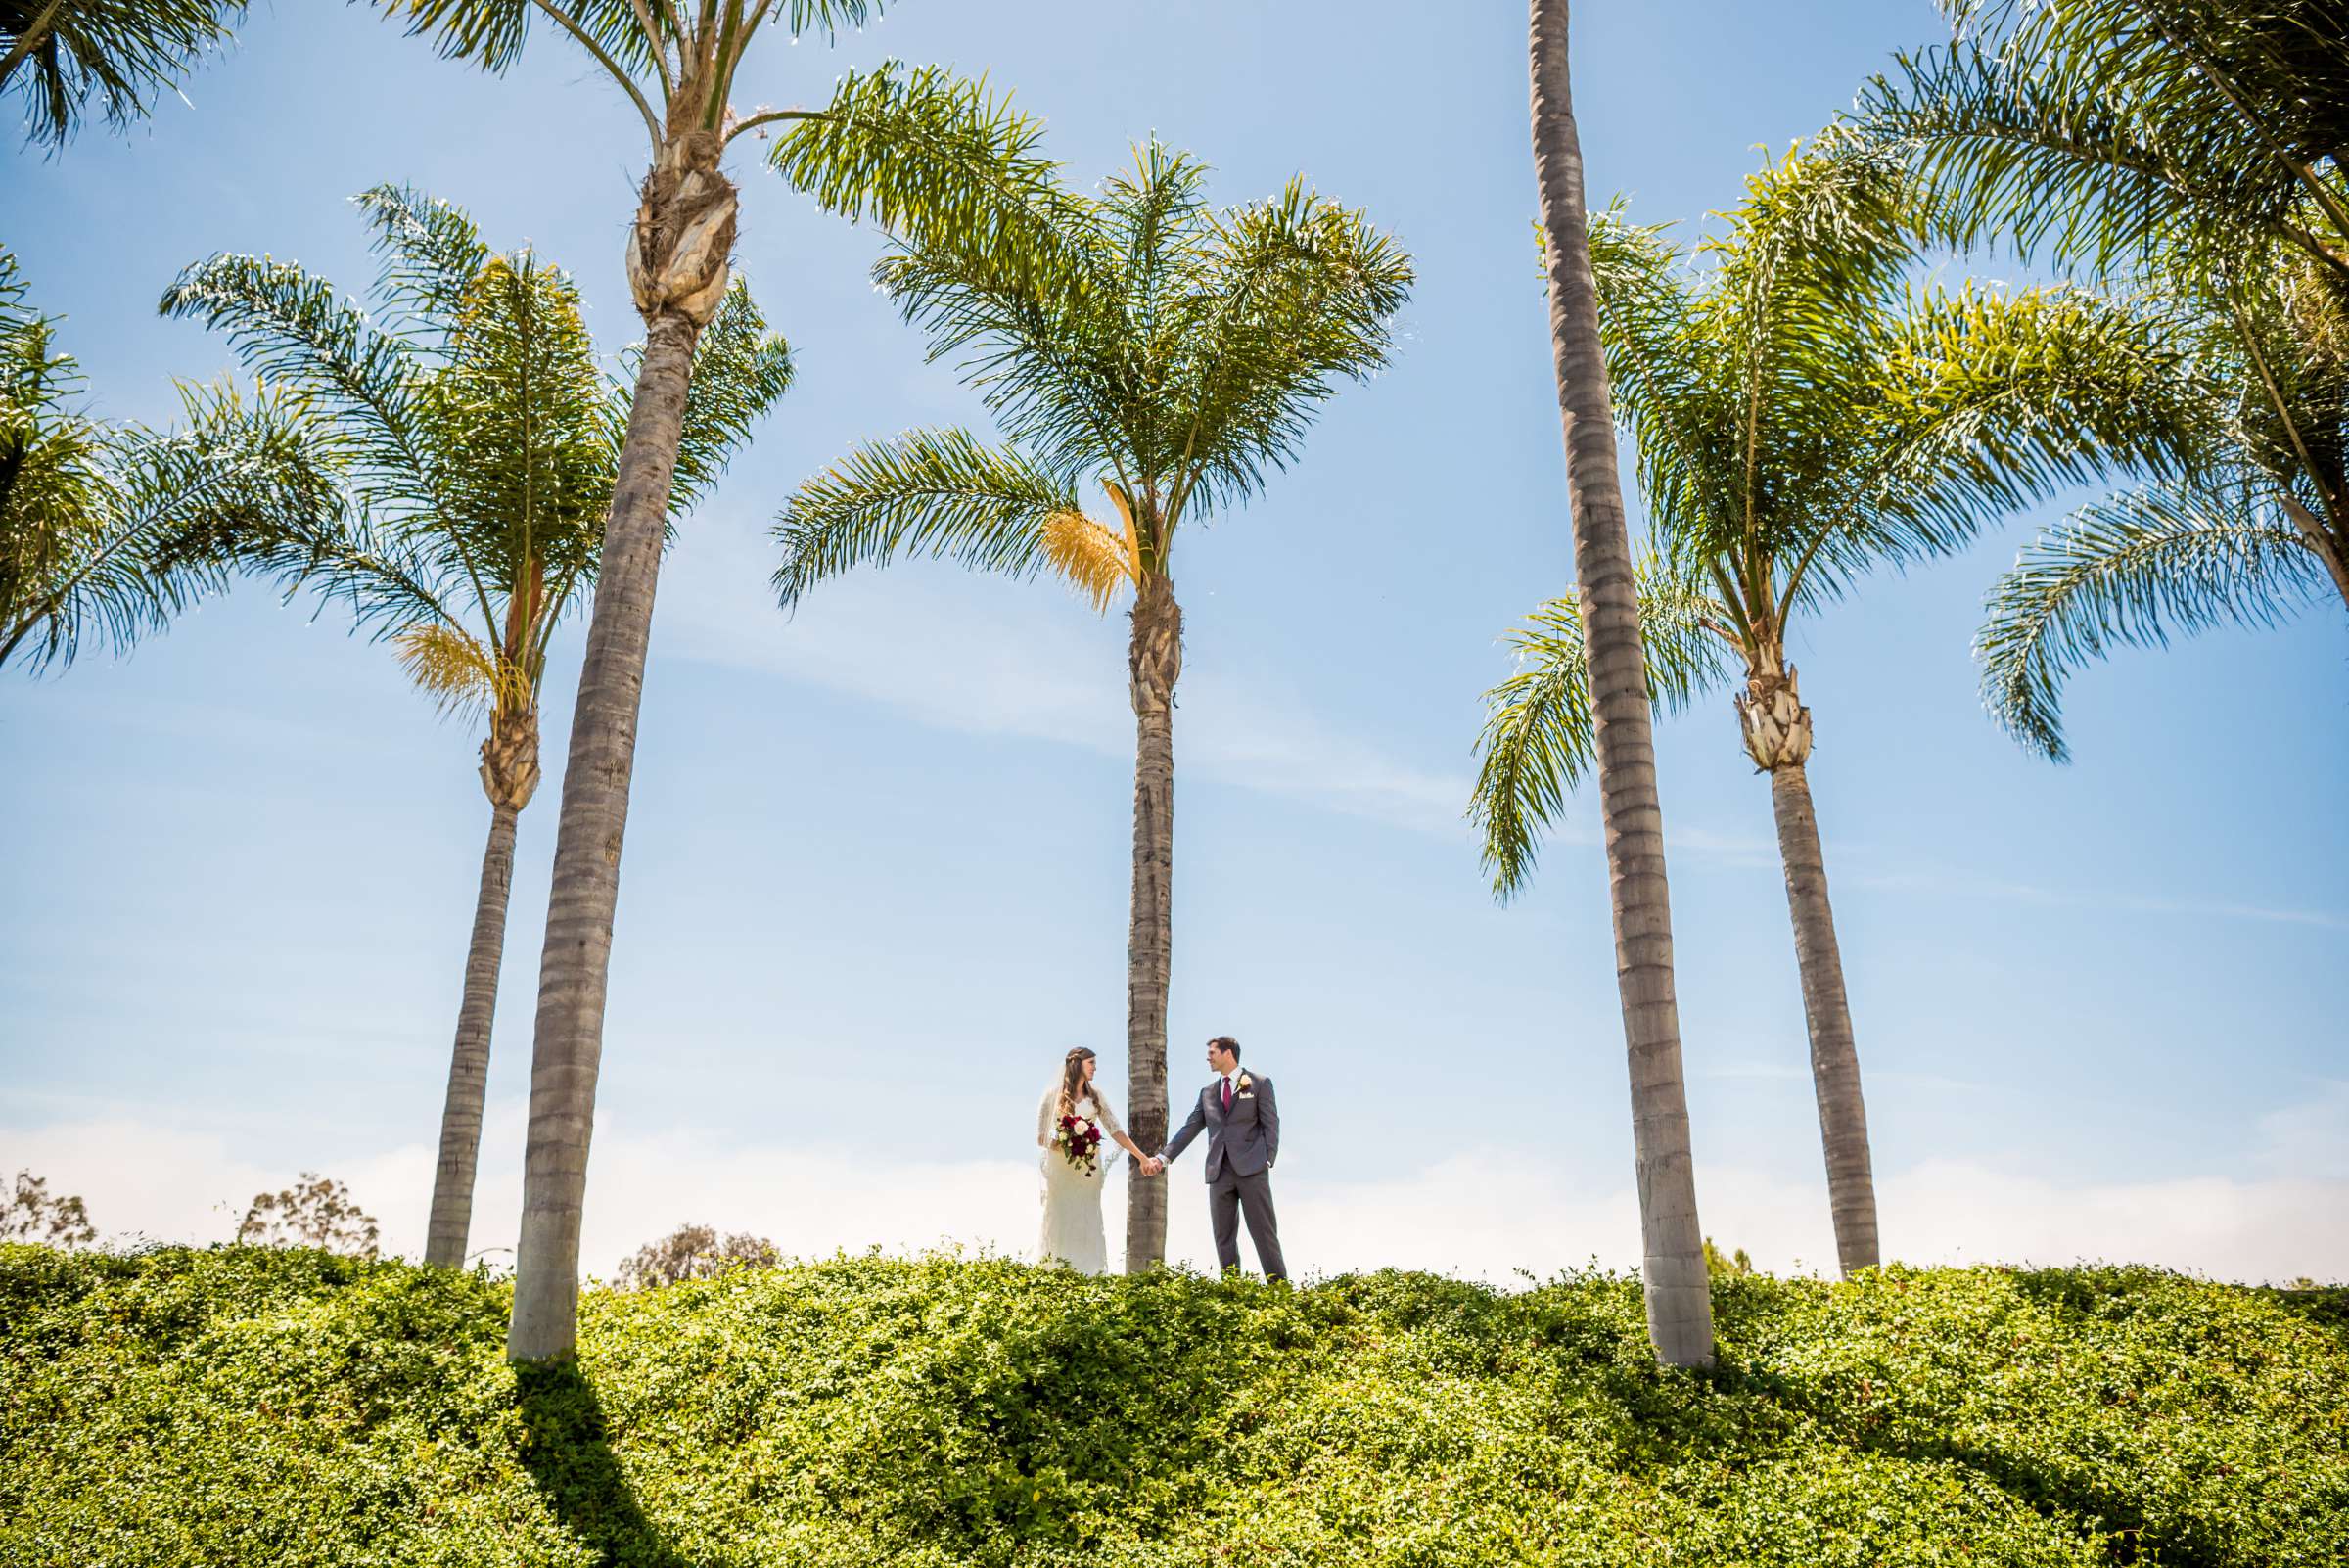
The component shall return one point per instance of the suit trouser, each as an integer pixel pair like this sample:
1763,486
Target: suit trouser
1229,1195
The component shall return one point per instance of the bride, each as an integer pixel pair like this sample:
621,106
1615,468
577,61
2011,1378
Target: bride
1070,1125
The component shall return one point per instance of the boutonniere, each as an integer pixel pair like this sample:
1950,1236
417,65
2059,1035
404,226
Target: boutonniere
1245,1084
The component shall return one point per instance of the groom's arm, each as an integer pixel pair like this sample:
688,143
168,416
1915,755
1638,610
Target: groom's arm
1190,1129
1268,1116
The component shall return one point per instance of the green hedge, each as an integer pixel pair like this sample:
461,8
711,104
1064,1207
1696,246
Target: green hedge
247,1406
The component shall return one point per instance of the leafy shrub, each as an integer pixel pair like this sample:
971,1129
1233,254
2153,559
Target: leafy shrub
256,1405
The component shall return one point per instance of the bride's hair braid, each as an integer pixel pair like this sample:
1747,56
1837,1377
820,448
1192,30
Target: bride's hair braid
1072,1079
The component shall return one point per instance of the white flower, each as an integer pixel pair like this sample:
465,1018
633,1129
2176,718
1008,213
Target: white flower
1082,1128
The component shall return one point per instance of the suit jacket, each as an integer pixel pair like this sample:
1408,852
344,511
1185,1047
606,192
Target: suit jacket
1246,1140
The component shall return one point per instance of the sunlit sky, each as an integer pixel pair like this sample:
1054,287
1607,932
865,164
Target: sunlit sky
876,870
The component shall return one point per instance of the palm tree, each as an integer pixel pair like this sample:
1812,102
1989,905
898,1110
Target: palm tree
2199,150
1679,1290
480,440
95,516
2104,128
61,53
1802,415
1170,353
2253,531
917,150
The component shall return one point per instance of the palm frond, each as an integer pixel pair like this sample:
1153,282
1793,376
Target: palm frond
132,536
2100,129
1540,735
740,372
936,494
1285,298
943,162
1056,375
1987,401
291,330
2131,571
116,56
432,252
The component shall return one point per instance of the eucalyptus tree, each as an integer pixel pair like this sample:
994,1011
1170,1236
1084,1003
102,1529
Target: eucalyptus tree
1169,354
1802,415
1671,1272
914,149
2253,531
477,437
62,55
96,515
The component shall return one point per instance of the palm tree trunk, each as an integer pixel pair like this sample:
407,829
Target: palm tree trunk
1679,1306
1154,663
1835,1058
677,259
2323,544
451,1220
576,963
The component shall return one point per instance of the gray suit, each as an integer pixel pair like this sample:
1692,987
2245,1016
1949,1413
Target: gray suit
1242,1143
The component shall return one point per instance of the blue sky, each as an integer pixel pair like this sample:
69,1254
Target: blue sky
876,869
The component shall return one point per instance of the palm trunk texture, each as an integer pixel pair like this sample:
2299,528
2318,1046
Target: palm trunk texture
451,1221
1153,665
1679,1305
677,256
509,777
1835,1058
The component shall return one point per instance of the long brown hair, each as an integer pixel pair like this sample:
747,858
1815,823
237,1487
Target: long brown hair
1072,1079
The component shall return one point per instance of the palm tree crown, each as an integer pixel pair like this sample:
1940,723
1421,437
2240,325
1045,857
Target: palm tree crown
2102,128
476,431
1168,352
1803,414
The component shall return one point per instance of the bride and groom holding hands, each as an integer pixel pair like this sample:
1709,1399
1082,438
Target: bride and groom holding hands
1242,1122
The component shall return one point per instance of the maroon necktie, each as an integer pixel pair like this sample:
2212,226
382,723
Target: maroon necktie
1227,1094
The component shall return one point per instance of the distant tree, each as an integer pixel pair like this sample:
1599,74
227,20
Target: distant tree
1805,414
1173,354
65,56
919,150
314,1212
480,442
694,1252
1723,1264
31,1213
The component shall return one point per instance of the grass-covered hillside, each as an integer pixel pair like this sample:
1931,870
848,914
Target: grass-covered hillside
242,1407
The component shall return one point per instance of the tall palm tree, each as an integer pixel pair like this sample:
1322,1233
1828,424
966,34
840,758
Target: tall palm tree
61,53
917,150
1802,415
96,515
2199,149
479,438
2254,530
1678,1289
1172,354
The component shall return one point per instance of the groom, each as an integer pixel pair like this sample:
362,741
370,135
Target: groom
1243,1140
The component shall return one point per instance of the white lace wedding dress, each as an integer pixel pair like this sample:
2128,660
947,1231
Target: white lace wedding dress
1071,1230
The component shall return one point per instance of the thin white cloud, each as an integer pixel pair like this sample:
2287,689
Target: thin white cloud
1950,882
1032,662
1488,1212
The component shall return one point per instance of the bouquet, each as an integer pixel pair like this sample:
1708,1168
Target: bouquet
1079,1142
